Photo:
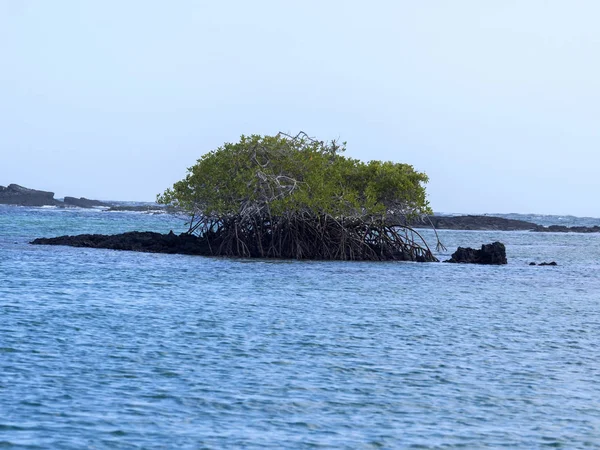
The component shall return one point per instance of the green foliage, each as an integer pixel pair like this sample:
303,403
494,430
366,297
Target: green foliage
283,175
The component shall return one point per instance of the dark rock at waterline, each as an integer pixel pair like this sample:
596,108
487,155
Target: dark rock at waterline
494,253
145,241
171,243
14,194
551,263
83,202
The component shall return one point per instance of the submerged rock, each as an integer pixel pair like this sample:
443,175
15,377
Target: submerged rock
494,253
551,263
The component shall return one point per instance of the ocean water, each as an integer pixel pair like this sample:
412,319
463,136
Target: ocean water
105,349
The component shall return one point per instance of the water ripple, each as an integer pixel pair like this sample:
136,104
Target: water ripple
102,349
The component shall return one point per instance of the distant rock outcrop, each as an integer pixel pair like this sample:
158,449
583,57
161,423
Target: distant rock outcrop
14,194
22,196
83,202
492,223
565,229
494,253
476,223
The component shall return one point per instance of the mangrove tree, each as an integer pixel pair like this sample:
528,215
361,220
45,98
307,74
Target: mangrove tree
296,197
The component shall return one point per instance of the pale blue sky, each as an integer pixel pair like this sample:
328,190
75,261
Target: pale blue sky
498,101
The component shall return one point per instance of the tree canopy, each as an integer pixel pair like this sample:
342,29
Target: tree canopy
294,188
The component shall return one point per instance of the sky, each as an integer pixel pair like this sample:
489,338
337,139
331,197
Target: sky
497,101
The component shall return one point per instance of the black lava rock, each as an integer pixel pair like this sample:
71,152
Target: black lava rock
145,241
494,253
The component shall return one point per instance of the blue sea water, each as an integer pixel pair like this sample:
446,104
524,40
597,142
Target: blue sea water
105,349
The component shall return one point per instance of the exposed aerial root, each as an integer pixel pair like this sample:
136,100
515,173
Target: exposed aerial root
307,236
